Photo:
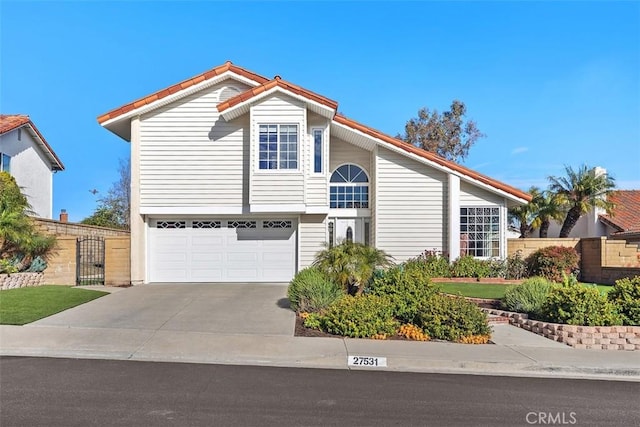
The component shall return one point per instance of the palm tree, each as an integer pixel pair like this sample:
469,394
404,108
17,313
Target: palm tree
525,215
351,264
549,206
581,191
19,238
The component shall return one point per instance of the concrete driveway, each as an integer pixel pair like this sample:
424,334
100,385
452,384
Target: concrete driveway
215,308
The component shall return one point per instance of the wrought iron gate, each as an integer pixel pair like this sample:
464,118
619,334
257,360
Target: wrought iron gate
90,261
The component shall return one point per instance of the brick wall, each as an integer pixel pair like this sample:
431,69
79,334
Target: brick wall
117,261
602,260
61,265
530,245
58,228
584,337
61,269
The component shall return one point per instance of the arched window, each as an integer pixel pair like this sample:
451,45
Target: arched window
349,188
349,237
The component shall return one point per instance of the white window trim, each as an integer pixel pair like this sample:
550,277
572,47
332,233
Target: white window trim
501,241
259,171
323,168
2,157
351,184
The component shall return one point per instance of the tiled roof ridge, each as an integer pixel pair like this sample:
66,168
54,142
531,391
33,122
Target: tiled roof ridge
216,71
340,118
276,82
9,122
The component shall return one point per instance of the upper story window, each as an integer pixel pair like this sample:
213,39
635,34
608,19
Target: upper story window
317,150
480,231
5,163
278,146
349,188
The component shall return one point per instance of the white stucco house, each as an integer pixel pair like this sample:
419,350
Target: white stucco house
27,156
241,178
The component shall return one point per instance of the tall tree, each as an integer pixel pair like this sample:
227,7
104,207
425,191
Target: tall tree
526,215
581,190
114,209
548,206
446,134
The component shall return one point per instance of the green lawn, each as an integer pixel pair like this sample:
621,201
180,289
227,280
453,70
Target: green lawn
26,305
490,290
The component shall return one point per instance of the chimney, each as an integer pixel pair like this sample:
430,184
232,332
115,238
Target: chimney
64,216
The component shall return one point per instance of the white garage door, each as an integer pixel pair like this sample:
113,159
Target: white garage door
229,250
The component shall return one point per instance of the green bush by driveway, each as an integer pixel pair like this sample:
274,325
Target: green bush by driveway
26,305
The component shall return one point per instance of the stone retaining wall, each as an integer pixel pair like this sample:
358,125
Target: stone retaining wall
20,280
584,337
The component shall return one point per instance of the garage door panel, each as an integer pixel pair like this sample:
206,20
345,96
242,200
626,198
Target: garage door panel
196,254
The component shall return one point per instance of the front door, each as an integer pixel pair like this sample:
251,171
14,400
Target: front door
351,229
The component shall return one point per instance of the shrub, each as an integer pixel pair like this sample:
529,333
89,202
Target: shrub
528,297
311,290
576,304
468,266
451,318
553,261
626,296
434,264
359,316
516,266
407,286
351,265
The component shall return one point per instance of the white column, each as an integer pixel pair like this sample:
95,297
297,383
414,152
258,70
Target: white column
454,217
137,224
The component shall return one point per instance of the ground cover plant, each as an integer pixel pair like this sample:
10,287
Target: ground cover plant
26,305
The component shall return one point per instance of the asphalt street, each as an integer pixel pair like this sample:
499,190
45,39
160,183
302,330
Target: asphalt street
76,392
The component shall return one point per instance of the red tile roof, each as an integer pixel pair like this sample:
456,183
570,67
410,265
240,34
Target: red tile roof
339,118
625,215
227,66
265,85
9,122
276,82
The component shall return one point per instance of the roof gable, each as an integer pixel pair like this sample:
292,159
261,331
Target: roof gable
240,104
625,216
11,122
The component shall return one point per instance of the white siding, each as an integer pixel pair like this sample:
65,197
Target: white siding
277,186
31,169
342,152
313,234
189,156
470,195
410,206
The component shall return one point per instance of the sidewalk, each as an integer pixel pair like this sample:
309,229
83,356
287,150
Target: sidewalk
515,353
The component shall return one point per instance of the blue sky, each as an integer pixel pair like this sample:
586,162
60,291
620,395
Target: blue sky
550,83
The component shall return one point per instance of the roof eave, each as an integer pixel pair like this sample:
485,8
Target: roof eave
243,107
115,124
56,163
515,198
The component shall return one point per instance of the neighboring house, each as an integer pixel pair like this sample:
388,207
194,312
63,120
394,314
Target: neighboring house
30,159
623,222
239,178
